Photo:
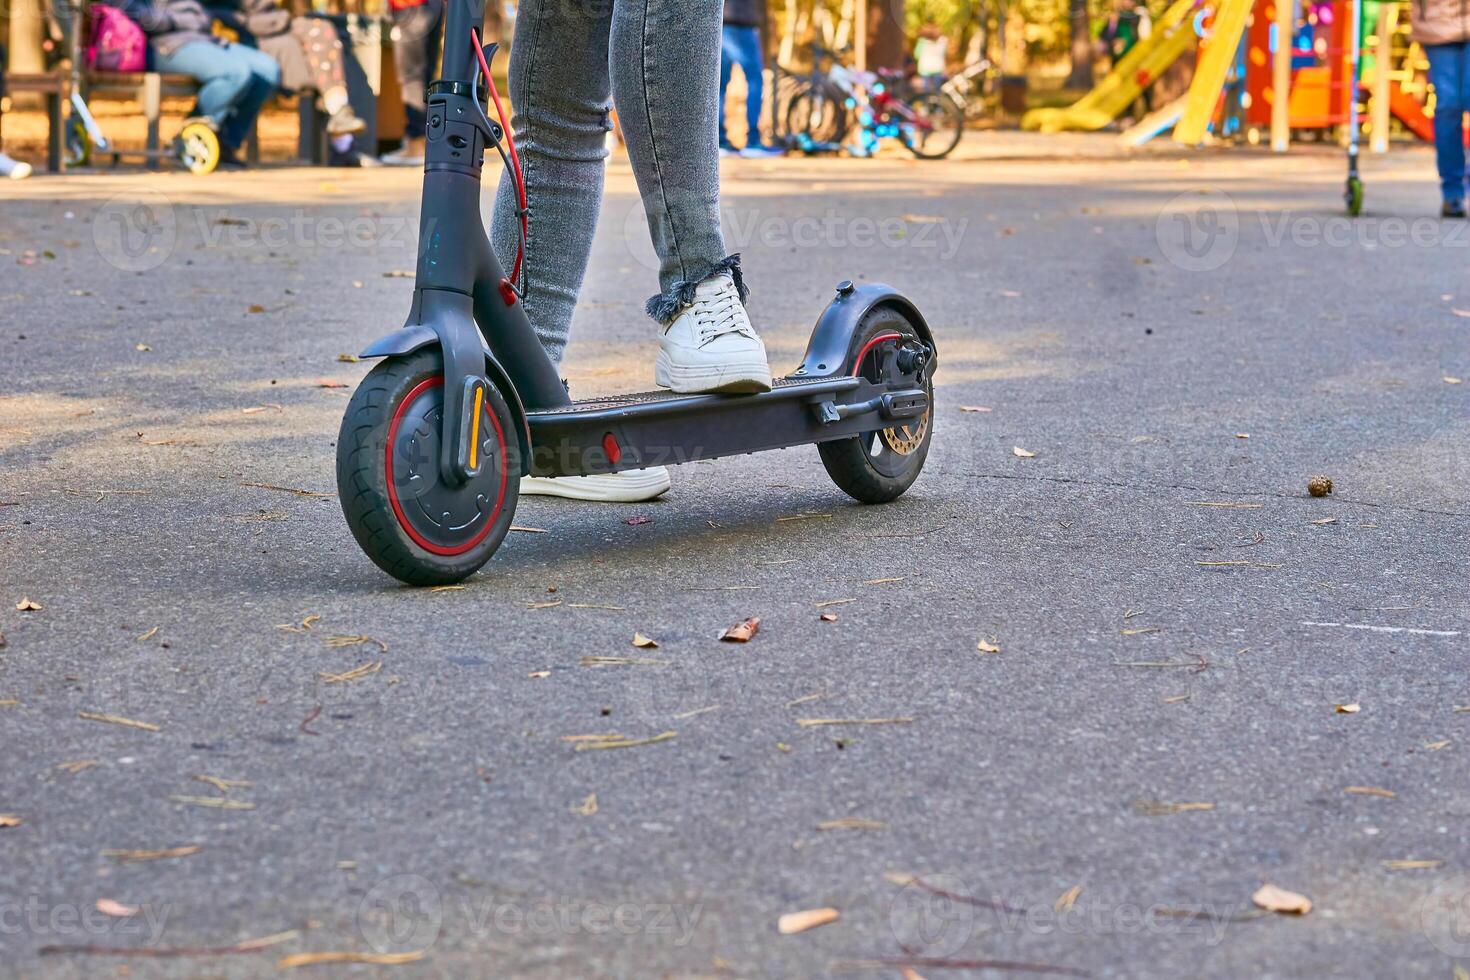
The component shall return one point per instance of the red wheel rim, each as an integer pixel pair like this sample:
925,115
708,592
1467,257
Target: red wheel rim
403,522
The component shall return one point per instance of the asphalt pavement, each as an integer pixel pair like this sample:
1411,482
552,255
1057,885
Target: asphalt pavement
1203,679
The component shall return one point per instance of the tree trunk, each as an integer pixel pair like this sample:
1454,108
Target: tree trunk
887,36
1081,76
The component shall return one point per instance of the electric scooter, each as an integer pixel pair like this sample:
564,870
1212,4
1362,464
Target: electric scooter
1353,194
465,401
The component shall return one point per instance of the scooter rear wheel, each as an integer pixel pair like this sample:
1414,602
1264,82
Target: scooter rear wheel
1353,196
879,466
405,517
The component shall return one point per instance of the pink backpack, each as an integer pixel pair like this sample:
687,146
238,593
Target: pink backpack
114,42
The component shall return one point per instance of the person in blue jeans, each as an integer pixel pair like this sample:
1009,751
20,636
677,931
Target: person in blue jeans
234,80
1443,28
741,45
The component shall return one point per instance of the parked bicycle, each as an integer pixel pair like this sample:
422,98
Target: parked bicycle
819,114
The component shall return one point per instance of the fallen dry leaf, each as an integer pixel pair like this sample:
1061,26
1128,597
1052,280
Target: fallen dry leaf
216,802
1371,791
348,358
536,674
169,852
224,785
1326,520
1156,808
640,519
742,631
1453,381
1319,486
1412,864
1067,899
1347,709
619,742
26,604
644,642
1436,746
828,617
794,922
1464,313
976,408
987,646
356,673
587,807
115,909
10,820
1020,453
80,765
117,720
815,722
1274,899
852,823
342,956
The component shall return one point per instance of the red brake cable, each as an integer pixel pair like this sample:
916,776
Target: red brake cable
507,286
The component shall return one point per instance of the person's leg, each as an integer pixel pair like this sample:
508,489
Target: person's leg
415,53
752,65
1447,75
559,92
264,79
665,76
222,79
729,54
665,79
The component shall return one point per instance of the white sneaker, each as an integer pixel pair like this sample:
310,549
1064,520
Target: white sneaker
627,487
14,169
711,345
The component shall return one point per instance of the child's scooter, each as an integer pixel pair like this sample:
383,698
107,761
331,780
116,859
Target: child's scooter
466,401
1353,193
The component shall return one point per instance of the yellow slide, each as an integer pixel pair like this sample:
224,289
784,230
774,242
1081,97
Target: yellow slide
1173,35
1212,70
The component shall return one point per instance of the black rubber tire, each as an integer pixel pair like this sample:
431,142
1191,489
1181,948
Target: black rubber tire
949,125
362,475
830,126
848,461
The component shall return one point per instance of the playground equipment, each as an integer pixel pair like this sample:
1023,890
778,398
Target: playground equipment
1173,35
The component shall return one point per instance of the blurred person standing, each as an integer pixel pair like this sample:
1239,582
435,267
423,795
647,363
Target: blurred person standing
416,28
741,45
1443,28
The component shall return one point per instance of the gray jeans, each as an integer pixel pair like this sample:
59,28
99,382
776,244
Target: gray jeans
659,62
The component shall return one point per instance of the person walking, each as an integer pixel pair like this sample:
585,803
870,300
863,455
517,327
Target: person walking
1443,28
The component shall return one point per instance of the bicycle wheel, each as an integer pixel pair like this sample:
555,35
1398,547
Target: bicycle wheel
817,113
935,131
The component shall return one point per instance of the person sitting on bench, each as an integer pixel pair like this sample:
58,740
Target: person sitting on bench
311,59
234,80
9,167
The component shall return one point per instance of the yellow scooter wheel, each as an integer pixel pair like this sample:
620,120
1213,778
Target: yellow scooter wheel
198,146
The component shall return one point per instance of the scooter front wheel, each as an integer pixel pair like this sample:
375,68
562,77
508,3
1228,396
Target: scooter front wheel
408,520
879,466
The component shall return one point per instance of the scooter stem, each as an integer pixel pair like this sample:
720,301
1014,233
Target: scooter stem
457,291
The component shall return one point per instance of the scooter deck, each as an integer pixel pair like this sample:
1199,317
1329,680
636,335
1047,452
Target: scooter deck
652,428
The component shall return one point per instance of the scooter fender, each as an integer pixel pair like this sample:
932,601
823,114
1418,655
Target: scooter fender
415,336
827,352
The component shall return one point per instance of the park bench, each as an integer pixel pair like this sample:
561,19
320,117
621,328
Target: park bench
148,90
